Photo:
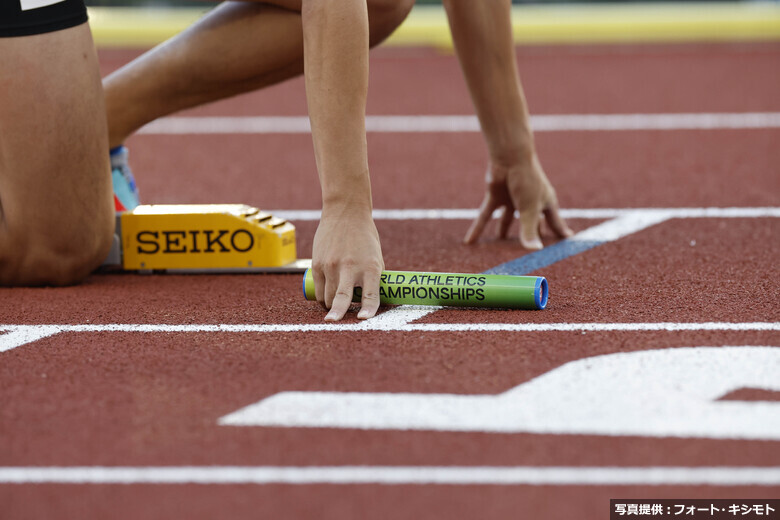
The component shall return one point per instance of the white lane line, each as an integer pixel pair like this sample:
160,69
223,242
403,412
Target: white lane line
595,213
399,317
720,212
17,336
462,475
624,225
702,121
443,214
467,123
393,325
590,327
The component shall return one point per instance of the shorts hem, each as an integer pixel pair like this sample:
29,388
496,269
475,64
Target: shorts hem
42,28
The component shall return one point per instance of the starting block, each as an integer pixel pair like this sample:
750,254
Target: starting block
204,238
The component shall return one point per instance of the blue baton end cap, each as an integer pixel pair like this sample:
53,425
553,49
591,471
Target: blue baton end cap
541,293
305,274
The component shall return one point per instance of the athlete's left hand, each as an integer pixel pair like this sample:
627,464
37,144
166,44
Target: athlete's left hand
523,187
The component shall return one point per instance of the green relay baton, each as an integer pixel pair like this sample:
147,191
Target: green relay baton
453,289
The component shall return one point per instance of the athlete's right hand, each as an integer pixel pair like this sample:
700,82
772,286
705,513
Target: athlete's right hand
347,254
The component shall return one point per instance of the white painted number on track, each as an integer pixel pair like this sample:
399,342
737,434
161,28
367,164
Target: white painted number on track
653,393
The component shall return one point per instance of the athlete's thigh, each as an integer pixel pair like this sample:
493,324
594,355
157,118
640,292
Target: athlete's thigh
55,188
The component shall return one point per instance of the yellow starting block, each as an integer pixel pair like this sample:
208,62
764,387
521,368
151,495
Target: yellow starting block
209,238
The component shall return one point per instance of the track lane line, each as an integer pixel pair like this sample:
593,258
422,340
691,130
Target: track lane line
16,336
32,331
594,213
399,475
467,123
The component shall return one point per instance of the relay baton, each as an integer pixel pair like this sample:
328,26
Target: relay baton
453,289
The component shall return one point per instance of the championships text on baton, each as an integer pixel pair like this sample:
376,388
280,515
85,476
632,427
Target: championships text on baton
453,290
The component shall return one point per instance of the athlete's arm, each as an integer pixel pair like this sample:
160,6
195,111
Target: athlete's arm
346,250
482,34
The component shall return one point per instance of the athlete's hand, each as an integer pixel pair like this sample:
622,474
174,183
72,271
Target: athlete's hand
347,254
523,187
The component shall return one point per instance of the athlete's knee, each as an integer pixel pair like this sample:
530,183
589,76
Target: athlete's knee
59,257
385,16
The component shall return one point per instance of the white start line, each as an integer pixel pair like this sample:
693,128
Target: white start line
394,320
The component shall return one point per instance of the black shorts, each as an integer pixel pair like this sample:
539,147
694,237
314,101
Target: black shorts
26,17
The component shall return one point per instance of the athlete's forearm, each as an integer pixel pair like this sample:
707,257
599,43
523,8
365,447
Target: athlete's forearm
482,33
336,71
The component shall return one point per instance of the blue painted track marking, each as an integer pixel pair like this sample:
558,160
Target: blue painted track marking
544,257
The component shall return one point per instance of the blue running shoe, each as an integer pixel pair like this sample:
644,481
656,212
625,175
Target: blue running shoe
125,190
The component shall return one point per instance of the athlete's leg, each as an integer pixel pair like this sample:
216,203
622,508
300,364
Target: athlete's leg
56,211
237,47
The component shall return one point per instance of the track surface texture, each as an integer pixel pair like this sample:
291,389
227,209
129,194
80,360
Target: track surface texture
653,373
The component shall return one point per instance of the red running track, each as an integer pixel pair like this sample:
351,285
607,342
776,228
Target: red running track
153,399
